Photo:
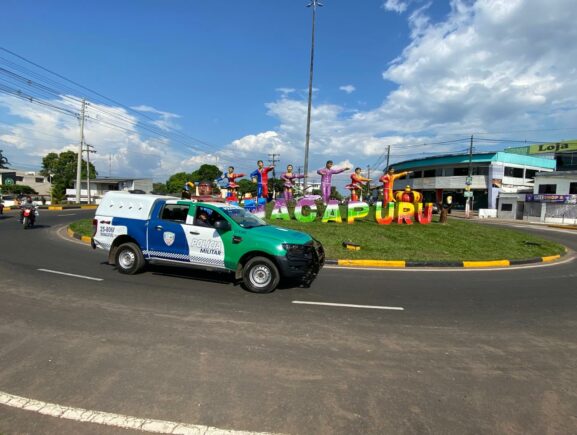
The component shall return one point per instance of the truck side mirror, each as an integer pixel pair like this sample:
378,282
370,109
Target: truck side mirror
222,224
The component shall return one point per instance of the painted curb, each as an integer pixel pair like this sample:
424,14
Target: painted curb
564,227
402,264
83,239
441,264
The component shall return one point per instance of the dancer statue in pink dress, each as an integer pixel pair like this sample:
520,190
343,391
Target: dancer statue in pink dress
288,178
326,174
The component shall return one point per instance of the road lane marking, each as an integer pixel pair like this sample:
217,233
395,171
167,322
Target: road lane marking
68,214
330,304
70,274
116,420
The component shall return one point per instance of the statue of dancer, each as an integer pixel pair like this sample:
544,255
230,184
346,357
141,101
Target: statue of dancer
388,181
231,186
326,174
357,183
288,178
260,175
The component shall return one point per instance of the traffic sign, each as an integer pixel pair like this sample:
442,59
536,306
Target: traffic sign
468,194
469,180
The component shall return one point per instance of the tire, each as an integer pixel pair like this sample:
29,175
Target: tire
25,223
260,275
129,259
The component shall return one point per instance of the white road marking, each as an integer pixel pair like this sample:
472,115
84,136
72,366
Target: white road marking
116,420
68,214
330,304
70,274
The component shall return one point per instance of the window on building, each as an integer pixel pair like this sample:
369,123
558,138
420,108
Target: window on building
39,180
547,188
19,178
481,170
449,172
513,172
461,172
429,173
530,174
566,161
506,207
572,188
417,174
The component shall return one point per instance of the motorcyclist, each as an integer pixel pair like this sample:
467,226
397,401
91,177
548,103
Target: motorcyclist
28,203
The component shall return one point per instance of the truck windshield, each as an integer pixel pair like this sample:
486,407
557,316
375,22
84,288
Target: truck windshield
243,217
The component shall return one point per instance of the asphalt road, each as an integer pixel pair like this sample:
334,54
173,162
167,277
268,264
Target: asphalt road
472,351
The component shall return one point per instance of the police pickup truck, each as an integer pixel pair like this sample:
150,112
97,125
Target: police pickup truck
137,229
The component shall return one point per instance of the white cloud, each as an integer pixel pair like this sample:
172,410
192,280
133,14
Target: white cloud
399,6
166,121
111,130
349,89
490,65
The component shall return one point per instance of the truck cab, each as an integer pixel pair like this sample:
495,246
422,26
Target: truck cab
139,229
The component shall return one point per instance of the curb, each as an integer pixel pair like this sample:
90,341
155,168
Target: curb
402,264
58,207
83,239
563,227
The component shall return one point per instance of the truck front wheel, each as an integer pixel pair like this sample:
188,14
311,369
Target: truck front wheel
129,258
260,275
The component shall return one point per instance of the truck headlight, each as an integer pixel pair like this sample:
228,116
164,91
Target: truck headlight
294,249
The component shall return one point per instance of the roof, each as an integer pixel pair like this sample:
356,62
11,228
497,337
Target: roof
106,180
559,174
452,159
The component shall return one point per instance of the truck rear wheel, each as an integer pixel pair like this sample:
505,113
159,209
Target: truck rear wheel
129,258
260,275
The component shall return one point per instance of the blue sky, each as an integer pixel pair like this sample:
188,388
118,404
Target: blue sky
233,74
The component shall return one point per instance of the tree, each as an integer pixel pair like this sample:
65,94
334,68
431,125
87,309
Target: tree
18,189
335,194
246,186
176,182
3,161
159,188
61,168
206,173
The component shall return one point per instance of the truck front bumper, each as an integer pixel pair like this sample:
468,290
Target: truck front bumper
304,266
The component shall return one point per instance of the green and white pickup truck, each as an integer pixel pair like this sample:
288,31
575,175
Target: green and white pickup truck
137,229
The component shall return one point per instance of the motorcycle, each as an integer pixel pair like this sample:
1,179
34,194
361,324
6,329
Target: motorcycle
28,217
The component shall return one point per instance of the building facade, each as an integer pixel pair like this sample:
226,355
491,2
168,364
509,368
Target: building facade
39,183
99,187
492,174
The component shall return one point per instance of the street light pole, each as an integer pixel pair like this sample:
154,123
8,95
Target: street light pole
314,4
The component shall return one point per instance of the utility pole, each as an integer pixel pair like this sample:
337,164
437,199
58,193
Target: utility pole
314,4
388,156
88,151
469,181
368,182
80,148
272,160
109,165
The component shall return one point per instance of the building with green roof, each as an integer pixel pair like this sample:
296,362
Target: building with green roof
490,174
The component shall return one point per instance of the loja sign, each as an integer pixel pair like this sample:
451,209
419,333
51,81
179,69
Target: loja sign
399,212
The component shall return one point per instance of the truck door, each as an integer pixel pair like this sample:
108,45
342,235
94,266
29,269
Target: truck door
167,238
204,243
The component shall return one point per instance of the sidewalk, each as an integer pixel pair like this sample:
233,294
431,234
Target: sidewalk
459,214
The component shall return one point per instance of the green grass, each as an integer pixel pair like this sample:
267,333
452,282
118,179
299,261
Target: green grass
454,241
82,227
457,240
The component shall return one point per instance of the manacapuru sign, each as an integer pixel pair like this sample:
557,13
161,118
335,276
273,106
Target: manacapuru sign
399,212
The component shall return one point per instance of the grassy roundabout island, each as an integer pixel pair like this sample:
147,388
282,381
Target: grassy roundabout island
457,240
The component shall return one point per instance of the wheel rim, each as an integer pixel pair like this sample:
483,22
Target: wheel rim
126,259
260,276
